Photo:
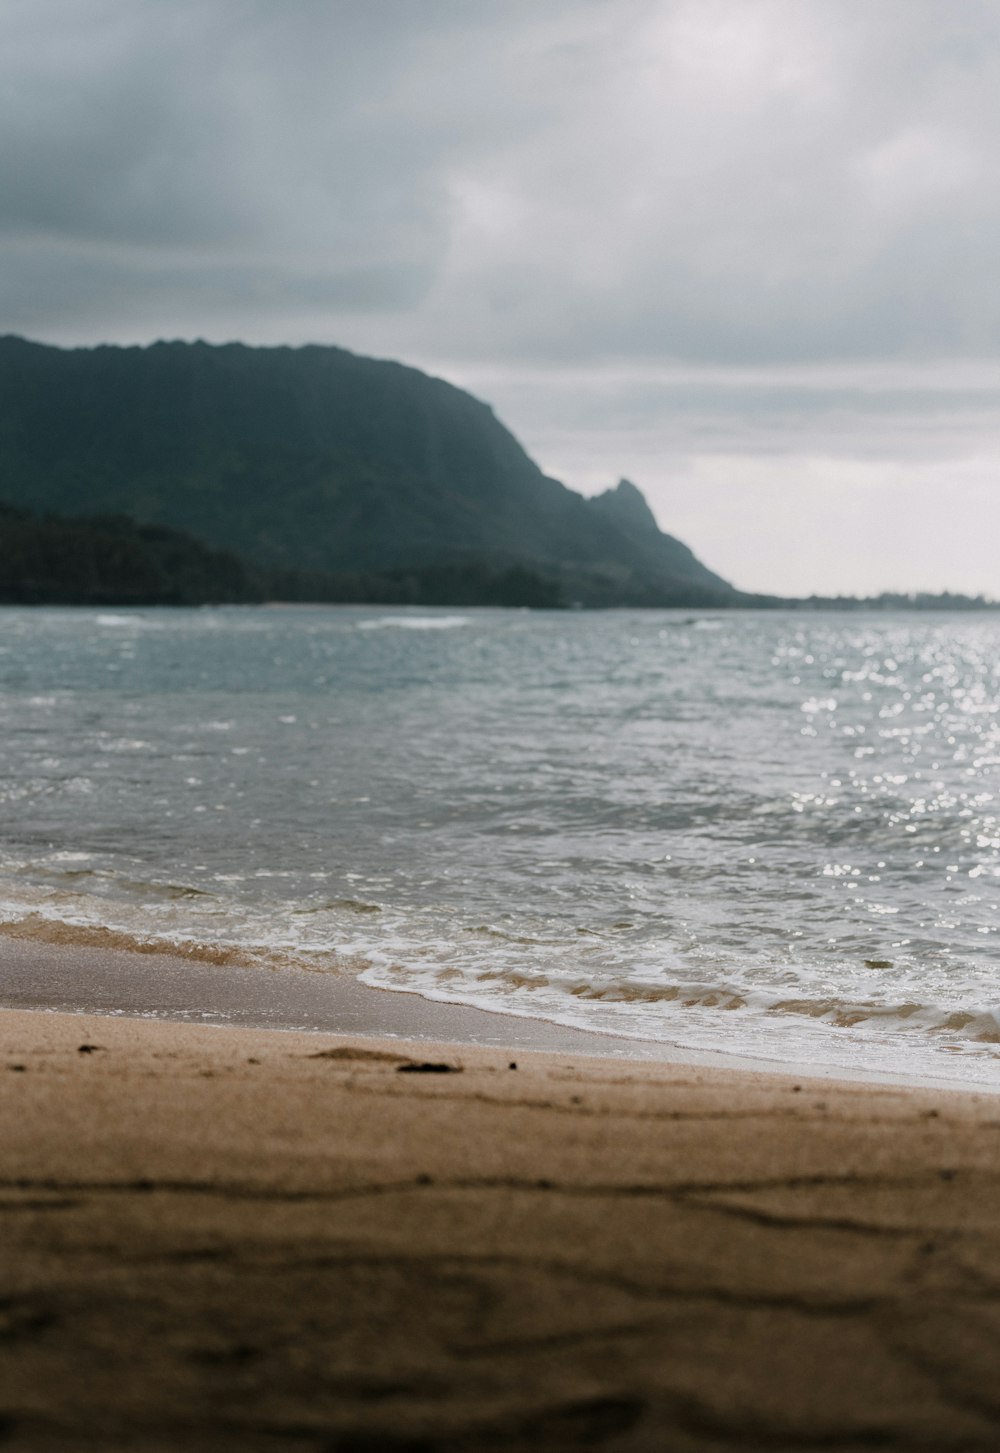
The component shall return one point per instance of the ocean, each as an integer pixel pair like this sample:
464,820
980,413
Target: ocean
774,835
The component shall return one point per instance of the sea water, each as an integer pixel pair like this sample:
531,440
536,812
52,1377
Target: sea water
773,834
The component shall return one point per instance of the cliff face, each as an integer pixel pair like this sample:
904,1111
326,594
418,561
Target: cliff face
624,508
315,459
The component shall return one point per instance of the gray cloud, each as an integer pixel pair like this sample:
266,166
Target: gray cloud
153,146
552,203
710,180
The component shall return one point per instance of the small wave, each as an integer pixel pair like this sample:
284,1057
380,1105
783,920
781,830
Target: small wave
53,875
38,929
648,1008
119,620
346,905
977,1026
486,930
686,996
415,623
169,892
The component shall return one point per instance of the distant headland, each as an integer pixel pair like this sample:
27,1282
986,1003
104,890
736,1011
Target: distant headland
184,473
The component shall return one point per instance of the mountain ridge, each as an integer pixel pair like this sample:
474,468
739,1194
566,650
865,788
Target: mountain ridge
317,459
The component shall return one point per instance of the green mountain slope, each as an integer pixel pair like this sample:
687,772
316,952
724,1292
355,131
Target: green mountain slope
315,459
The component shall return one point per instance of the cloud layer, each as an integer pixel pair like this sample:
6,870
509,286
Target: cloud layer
673,238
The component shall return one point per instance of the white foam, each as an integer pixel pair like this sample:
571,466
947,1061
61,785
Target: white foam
415,623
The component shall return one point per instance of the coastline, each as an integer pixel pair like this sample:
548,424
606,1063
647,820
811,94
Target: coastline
66,976
266,1239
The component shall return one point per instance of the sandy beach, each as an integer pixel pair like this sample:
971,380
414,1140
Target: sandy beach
221,1239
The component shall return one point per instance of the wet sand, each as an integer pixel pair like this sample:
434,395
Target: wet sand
242,1239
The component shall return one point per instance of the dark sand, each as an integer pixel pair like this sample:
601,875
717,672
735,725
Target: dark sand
243,1239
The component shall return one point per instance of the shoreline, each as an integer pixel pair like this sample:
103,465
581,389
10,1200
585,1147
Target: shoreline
39,975
305,1241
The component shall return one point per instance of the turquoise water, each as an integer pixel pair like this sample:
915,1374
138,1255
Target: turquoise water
771,834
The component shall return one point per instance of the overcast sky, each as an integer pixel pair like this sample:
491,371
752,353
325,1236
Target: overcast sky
745,252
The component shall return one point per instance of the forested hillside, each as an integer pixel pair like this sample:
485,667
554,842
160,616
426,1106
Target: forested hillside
315,460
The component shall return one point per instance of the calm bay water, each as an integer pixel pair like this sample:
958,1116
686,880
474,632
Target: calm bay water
770,834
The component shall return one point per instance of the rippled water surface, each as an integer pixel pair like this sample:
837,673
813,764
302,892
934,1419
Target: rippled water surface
772,834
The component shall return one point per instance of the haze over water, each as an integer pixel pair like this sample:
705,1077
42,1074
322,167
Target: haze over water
772,834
